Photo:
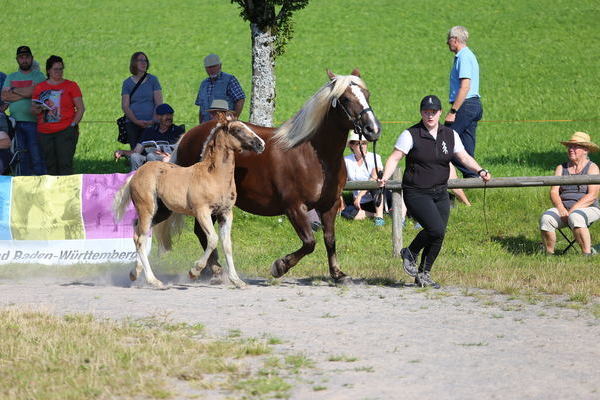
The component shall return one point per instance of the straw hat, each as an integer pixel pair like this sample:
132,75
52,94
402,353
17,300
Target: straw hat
353,137
582,139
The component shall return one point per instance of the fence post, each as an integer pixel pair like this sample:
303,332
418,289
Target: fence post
397,216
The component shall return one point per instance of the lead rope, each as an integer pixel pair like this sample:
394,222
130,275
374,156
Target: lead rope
485,219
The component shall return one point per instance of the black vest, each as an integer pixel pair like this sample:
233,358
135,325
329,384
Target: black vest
427,163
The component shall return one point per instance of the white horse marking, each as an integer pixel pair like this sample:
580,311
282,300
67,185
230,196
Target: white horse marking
360,96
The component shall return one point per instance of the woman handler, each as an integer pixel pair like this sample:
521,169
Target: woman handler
429,147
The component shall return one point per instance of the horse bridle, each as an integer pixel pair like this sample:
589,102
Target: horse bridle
358,129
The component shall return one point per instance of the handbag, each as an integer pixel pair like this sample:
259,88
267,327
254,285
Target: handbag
121,121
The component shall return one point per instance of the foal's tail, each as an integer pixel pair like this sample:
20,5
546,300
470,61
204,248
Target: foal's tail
122,199
164,231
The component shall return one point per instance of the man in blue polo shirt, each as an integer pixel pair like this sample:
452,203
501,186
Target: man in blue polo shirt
464,96
218,85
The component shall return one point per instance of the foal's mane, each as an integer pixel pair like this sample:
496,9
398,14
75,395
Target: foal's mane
302,126
209,143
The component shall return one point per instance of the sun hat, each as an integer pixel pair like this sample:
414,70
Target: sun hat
431,102
24,50
582,139
219,105
164,109
353,137
211,59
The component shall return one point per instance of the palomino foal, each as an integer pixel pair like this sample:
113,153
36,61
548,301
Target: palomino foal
204,189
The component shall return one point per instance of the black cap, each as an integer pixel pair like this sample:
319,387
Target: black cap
24,50
431,102
164,109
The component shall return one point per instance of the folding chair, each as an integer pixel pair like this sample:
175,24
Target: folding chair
570,242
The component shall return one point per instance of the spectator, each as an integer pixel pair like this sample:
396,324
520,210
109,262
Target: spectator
139,107
17,91
362,169
218,85
157,141
58,104
429,147
575,206
3,104
6,136
464,94
216,106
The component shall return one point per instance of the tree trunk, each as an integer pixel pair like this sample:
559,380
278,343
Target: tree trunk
262,103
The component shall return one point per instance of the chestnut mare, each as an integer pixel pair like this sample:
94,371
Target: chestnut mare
206,188
302,167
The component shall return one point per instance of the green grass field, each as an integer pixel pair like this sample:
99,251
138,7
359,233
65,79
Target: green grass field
538,63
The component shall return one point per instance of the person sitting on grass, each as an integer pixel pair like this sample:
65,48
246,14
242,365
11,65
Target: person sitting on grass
575,206
156,142
362,169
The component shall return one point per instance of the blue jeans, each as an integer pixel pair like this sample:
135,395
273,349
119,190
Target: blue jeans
30,161
465,125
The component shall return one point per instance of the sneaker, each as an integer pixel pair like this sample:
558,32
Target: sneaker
408,262
378,221
316,226
423,279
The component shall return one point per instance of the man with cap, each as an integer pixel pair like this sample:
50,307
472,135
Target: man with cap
429,148
575,206
218,85
157,141
17,91
464,96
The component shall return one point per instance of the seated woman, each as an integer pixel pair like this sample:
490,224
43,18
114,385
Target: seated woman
574,205
360,169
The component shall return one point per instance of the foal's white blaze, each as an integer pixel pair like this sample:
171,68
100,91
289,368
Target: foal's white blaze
253,133
362,100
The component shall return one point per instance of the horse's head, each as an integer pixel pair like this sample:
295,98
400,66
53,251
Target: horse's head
353,104
245,137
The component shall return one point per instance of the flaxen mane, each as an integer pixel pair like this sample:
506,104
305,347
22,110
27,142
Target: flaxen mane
302,126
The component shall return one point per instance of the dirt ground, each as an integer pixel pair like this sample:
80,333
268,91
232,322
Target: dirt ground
368,342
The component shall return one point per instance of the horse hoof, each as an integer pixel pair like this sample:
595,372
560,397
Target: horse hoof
240,284
132,276
157,284
343,280
192,276
216,280
278,268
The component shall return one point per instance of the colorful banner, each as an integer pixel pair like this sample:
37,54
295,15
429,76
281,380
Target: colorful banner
64,220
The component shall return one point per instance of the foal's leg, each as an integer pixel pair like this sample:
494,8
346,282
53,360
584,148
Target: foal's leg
225,222
140,238
213,260
203,218
300,221
328,221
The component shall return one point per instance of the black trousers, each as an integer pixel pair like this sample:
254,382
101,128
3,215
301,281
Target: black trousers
134,134
58,150
431,208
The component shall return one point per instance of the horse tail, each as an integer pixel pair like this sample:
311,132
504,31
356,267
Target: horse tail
122,199
164,231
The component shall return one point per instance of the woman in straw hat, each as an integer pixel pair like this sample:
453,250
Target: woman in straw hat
574,205
362,169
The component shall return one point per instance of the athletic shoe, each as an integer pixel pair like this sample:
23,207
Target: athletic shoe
316,226
378,221
423,279
408,262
